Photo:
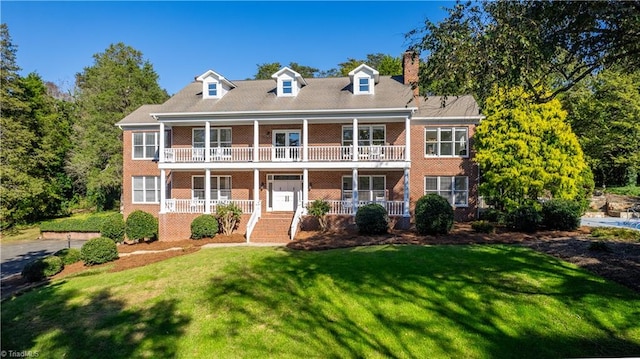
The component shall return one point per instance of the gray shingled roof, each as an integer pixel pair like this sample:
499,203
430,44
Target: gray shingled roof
319,94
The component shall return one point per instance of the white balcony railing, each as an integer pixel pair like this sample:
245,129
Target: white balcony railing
198,205
285,154
339,207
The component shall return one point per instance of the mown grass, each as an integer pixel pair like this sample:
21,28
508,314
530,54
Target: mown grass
86,222
20,233
625,190
616,233
375,302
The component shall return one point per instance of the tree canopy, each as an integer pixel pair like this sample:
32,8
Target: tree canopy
527,150
531,44
267,69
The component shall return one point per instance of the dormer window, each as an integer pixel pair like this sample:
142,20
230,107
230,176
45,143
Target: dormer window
214,85
364,84
288,82
363,80
213,89
287,87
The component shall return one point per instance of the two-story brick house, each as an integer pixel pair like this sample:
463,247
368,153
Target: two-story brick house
271,146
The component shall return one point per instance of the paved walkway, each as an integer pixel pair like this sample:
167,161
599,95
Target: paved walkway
15,255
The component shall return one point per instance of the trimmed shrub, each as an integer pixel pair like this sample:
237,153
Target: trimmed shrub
491,215
319,209
561,214
229,217
483,227
69,255
434,215
113,227
42,268
99,250
203,226
141,225
372,219
525,218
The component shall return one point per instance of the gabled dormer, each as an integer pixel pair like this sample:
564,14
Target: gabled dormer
214,85
363,79
288,82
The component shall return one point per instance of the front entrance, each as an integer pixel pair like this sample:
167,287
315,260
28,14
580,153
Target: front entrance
285,191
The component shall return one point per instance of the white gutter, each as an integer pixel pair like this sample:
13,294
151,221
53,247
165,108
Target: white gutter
447,118
330,111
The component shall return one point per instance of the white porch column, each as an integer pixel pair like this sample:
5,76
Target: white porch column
163,191
161,143
407,192
207,141
256,185
256,141
354,186
407,139
207,191
305,188
355,140
305,140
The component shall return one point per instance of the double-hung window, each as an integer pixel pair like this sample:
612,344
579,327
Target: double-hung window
145,145
146,189
446,141
287,87
213,89
363,84
220,187
370,188
454,189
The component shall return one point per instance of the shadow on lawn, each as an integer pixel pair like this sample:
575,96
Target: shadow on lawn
416,302
103,327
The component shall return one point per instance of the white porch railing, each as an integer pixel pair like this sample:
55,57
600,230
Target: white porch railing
285,154
198,205
394,208
297,217
253,220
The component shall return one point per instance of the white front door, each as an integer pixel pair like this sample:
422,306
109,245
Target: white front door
285,194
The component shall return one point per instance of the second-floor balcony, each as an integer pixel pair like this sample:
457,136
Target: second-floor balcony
286,154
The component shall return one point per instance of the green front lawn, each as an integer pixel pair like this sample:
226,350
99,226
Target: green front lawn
375,302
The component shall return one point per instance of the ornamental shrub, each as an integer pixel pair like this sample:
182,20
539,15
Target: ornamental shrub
372,219
319,209
228,216
42,268
69,255
483,227
561,214
434,215
113,227
203,226
525,218
141,225
99,250
491,215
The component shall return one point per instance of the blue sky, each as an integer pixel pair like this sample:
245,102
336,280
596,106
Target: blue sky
184,39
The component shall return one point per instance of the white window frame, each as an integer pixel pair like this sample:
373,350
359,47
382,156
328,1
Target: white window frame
214,89
144,145
450,194
347,195
367,84
289,87
144,190
213,142
370,141
217,193
438,142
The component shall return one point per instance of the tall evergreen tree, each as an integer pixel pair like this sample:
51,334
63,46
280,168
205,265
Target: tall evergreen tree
119,81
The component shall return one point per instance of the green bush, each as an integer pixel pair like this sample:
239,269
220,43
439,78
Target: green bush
525,218
78,223
113,227
319,209
99,250
561,214
203,226
483,227
69,255
228,216
434,215
42,268
141,225
372,219
491,215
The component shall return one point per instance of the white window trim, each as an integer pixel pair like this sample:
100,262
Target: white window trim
438,142
370,126
204,183
193,135
144,189
209,89
144,144
384,177
453,189
205,89
356,85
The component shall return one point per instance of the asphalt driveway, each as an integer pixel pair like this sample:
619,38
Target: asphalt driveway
16,255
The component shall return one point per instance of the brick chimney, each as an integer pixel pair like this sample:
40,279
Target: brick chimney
410,70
